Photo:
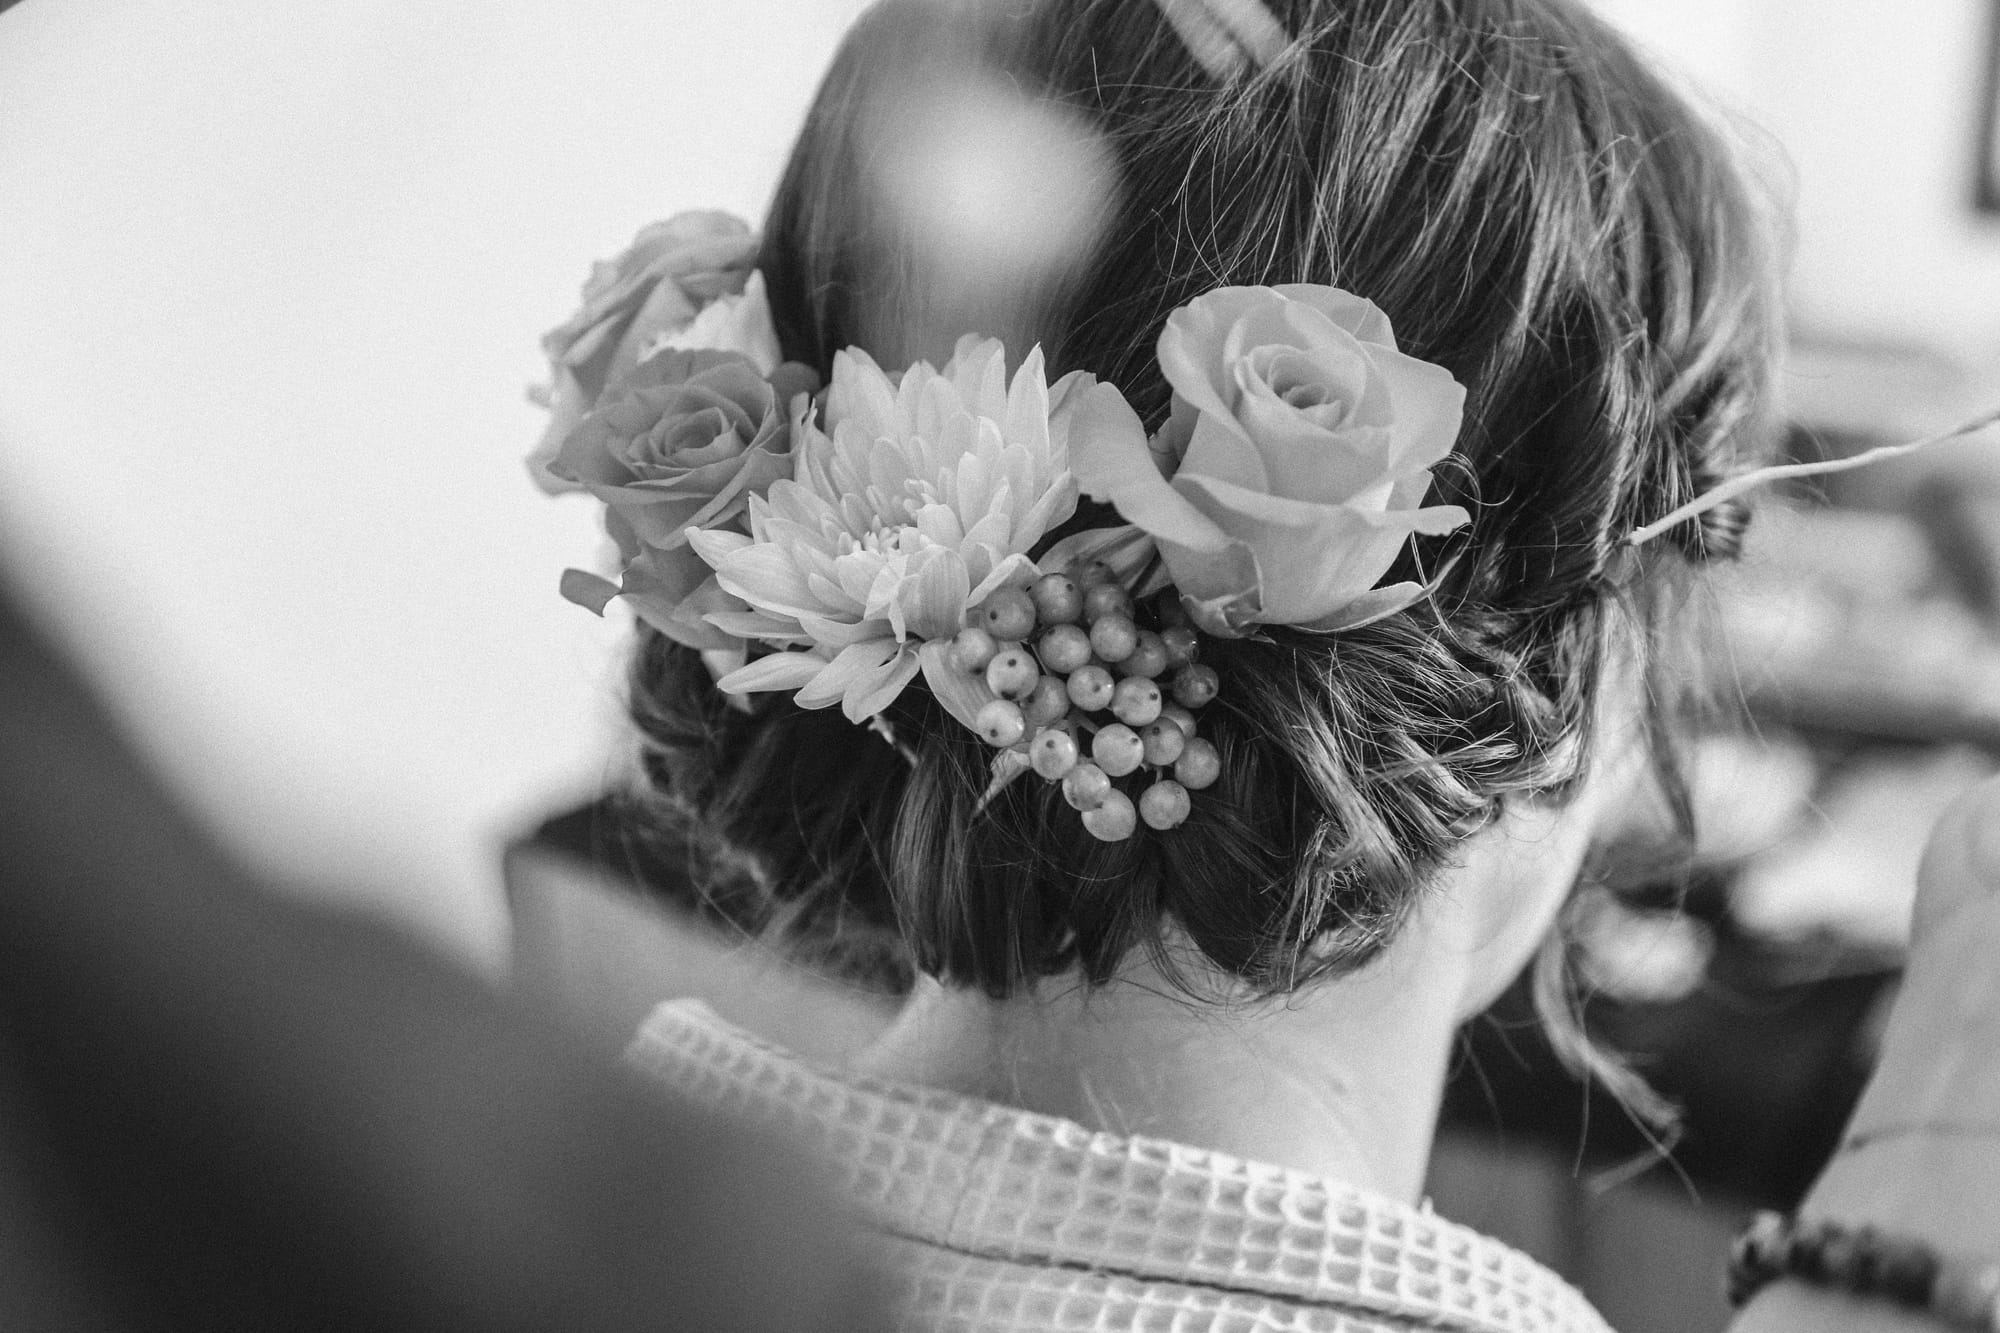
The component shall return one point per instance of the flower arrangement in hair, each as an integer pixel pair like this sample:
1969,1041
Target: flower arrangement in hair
839,542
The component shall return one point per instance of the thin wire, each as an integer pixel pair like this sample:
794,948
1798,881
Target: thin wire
1749,481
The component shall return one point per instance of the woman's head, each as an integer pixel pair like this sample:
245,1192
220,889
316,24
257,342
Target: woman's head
1535,211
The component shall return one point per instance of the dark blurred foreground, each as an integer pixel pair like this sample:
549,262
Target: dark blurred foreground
221,1109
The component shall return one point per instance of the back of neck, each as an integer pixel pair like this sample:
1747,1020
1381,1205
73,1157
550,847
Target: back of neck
1342,1081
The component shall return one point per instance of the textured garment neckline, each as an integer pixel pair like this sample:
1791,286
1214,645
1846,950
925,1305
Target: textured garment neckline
1000,1185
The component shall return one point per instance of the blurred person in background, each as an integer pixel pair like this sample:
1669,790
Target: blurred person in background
224,1108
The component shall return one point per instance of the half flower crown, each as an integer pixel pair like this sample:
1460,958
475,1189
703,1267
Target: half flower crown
838,541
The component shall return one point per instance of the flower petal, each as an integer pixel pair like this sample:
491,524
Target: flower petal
1187,346
1220,449
1371,606
880,687
861,394
962,693
715,547
1314,559
766,577
757,625
1109,455
1027,418
1432,520
740,323
721,661
1229,615
934,597
1016,571
674,592
1356,314
849,666
1053,510
778,671
978,370
1429,406
592,592
1126,548
830,633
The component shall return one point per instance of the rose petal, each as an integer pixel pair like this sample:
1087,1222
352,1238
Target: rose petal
1112,463
657,518
1251,507
1315,559
790,380
673,591
673,368
1356,314
1371,606
1304,461
1227,615
672,577
1186,350
620,531
586,456
740,323
1429,410
1223,590
666,306
1327,381
564,417
684,627
1219,448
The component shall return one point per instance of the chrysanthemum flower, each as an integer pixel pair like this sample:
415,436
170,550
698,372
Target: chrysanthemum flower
919,497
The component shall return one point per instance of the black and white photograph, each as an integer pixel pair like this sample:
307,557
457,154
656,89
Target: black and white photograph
1000,666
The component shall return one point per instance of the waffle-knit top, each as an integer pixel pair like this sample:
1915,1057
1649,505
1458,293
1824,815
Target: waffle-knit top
998,1219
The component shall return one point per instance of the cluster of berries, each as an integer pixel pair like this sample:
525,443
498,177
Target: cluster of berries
1065,652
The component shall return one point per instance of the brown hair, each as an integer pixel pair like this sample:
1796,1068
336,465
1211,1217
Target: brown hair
1536,211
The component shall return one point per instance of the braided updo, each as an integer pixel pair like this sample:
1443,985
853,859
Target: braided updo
1537,212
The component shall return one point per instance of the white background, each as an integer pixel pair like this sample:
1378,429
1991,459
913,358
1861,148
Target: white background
271,278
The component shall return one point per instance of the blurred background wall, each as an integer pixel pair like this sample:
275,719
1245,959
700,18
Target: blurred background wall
1878,104
271,278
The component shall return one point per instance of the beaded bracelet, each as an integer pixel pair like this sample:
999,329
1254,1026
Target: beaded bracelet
1862,1261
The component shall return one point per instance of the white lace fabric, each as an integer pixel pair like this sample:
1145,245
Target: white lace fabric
1000,1219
